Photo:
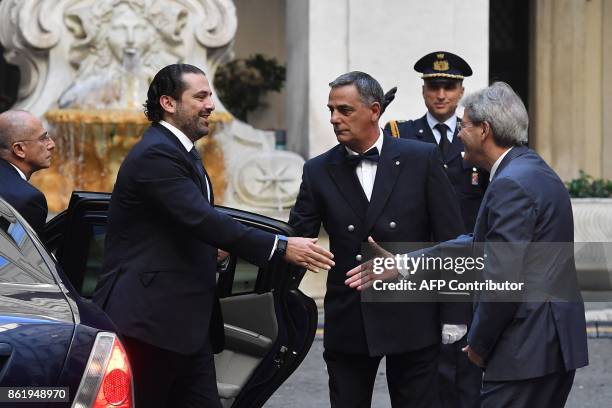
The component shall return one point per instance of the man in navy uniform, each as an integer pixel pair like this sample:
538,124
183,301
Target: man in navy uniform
25,147
443,74
394,191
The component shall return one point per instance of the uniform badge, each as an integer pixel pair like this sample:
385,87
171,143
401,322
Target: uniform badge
474,176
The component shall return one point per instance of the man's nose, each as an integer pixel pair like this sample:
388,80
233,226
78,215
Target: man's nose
209,104
333,118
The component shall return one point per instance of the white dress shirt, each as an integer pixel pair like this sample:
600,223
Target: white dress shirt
187,144
366,170
497,162
450,122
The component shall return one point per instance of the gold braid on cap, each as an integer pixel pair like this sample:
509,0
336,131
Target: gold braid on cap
439,75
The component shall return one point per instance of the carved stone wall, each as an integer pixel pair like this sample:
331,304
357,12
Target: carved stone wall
102,54
571,91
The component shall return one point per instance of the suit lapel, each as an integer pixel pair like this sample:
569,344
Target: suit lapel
423,131
455,149
387,173
515,152
344,176
187,157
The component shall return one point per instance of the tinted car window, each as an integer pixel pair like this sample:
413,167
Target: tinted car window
20,261
245,277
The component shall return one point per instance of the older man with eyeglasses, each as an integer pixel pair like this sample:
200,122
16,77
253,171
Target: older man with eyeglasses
25,147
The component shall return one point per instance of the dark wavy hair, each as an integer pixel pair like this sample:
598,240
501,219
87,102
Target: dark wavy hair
168,81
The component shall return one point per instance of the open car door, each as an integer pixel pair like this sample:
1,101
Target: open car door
269,324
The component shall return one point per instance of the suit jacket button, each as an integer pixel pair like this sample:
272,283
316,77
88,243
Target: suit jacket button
358,258
446,166
392,225
351,228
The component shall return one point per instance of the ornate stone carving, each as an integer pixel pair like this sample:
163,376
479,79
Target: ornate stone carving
73,52
262,178
94,58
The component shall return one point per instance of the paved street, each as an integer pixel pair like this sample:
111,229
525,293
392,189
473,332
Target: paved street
307,387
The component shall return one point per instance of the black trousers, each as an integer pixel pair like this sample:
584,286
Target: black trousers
411,378
459,380
550,391
164,379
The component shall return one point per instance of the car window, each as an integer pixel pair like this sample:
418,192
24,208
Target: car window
20,261
93,264
245,277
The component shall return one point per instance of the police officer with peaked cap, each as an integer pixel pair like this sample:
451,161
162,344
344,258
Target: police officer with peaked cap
443,74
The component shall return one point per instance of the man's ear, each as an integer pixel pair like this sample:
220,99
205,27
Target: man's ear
168,103
486,130
376,111
18,151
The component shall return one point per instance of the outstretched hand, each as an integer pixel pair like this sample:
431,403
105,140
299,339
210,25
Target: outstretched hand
305,252
363,276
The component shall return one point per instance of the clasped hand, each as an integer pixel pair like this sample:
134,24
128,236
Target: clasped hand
305,252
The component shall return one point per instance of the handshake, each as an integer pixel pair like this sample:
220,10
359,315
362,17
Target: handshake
363,276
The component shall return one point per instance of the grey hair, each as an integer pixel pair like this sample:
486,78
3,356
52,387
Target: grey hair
368,88
503,109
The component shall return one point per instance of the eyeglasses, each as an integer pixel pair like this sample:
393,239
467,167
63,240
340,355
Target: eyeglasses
45,138
464,125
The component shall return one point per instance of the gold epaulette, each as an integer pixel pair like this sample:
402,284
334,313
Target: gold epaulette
394,129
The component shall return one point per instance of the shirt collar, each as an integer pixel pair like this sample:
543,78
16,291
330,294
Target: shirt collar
185,141
21,173
497,162
450,122
378,144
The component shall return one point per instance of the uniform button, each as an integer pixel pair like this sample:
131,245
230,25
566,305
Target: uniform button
446,166
392,225
358,258
350,228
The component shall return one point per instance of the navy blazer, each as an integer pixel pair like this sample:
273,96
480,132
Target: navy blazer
469,181
27,199
158,282
412,201
527,203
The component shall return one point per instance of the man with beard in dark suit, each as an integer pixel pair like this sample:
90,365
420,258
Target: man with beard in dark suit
25,147
158,282
396,191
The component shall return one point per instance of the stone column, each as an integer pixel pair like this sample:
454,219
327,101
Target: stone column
571,41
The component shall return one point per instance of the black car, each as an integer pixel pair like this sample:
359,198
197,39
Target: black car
52,336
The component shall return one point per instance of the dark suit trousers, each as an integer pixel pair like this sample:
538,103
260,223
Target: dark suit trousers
411,378
459,379
164,379
550,391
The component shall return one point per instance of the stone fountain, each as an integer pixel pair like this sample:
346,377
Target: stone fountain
85,66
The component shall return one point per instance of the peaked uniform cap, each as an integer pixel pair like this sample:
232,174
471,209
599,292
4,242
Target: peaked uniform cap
442,66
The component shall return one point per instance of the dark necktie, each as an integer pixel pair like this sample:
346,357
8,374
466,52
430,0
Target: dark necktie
443,145
371,155
197,160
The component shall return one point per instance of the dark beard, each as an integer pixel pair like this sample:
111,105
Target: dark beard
189,125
